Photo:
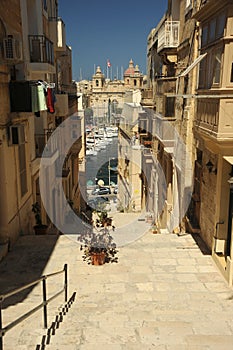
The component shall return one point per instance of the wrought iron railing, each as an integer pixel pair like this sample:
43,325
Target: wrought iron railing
43,305
41,49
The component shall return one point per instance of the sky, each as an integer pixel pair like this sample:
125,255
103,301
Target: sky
117,31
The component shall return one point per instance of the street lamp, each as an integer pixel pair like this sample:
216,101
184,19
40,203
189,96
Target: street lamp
109,169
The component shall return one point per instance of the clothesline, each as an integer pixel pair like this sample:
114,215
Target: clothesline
45,84
43,96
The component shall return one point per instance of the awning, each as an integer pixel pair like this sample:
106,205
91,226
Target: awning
229,159
195,62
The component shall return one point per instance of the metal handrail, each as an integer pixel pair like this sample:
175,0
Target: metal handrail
4,330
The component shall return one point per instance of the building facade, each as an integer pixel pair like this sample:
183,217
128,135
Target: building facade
38,94
213,131
172,47
188,103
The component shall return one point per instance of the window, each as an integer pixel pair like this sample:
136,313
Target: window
221,20
217,66
212,29
135,82
97,82
210,69
170,107
202,71
204,35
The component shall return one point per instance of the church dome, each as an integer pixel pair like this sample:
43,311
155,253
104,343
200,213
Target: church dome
130,70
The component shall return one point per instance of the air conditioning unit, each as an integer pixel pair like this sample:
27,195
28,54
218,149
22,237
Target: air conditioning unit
16,135
12,49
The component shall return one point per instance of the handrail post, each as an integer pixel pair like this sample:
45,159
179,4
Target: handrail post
65,282
45,303
1,337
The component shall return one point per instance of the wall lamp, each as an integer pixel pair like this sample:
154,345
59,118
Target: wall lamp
211,168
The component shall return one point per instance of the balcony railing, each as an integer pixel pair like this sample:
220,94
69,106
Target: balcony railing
163,130
168,35
41,49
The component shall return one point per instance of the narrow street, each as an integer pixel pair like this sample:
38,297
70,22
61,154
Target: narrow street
164,293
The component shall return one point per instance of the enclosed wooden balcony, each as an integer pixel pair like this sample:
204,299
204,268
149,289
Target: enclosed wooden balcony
147,98
168,35
214,117
163,130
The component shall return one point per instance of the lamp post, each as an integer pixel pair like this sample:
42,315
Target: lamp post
109,169
230,217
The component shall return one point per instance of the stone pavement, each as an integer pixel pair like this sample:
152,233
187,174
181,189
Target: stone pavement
164,293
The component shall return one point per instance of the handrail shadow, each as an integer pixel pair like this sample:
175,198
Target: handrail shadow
42,305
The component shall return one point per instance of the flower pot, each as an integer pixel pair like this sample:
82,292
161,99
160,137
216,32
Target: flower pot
154,229
98,258
40,229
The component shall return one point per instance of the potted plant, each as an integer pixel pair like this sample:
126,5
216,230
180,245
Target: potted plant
39,228
97,243
99,248
154,228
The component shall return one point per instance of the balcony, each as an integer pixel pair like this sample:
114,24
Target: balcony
214,118
57,34
41,54
61,105
130,113
163,130
168,35
165,103
166,85
147,98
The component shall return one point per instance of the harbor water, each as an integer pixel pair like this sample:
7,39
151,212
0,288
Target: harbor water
97,166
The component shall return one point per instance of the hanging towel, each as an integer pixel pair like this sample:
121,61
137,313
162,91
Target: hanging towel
35,101
41,98
50,102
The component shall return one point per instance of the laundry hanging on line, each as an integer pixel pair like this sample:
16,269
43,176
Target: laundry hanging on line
43,97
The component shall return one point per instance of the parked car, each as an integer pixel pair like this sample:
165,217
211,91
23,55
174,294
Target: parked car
101,191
